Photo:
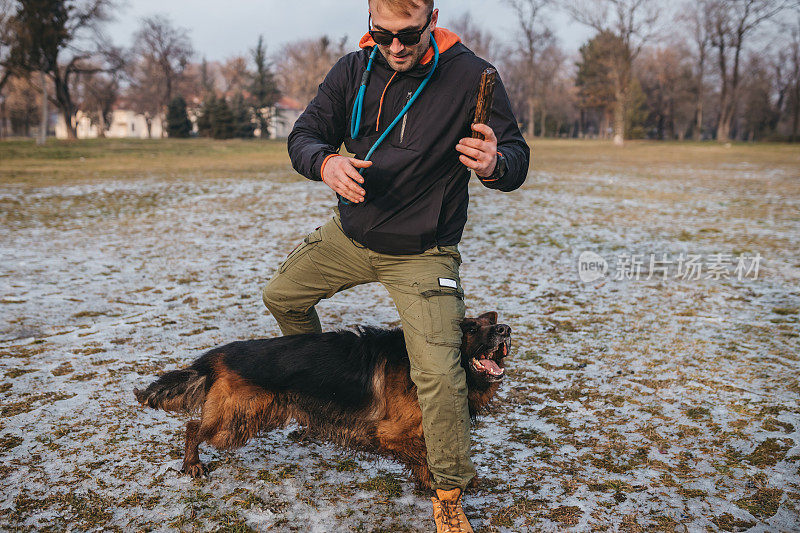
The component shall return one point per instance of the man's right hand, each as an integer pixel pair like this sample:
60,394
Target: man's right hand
341,175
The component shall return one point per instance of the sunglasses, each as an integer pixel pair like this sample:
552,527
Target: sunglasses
406,38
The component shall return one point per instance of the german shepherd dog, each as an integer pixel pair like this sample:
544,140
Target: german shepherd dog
350,388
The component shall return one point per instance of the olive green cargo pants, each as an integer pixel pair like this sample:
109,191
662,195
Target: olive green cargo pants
427,292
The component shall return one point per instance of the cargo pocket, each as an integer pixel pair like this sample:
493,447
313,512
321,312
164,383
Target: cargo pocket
301,249
443,308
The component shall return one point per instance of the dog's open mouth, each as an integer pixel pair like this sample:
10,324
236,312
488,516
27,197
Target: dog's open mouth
491,363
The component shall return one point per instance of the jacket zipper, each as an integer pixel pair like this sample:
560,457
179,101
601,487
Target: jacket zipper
405,118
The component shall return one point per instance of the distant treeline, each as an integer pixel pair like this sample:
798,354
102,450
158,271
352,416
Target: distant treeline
702,69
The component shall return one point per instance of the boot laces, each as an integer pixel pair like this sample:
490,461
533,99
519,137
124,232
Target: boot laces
450,515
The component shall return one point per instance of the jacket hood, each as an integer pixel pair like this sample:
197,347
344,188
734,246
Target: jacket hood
445,39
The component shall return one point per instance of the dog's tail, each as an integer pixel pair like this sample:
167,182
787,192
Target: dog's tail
179,390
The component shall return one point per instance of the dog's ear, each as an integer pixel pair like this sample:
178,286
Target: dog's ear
491,317
468,324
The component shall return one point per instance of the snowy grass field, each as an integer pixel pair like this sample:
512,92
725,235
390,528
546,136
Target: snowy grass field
662,404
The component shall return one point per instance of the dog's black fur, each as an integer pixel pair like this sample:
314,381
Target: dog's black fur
353,388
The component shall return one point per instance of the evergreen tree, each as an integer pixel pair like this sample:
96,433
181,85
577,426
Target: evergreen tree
206,116
242,122
636,111
263,87
178,124
206,80
594,79
222,125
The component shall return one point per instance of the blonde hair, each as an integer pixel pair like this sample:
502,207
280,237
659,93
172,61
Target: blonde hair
404,7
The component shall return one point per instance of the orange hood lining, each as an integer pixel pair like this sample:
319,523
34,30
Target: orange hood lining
445,39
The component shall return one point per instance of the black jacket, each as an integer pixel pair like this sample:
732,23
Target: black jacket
416,189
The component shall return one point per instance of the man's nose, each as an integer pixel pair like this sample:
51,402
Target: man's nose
396,46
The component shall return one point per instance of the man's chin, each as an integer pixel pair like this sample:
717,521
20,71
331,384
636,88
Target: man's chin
400,67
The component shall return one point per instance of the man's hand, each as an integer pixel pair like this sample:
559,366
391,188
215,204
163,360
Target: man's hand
341,174
479,155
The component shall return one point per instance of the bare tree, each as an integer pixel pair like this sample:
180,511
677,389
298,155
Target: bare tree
162,53
235,74
302,65
21,105
781,78
143,92
756,91
562,104
190,85
516,78
667,80
785,67
534,39
45,32
550,65
695,15
97,94
482,42
732,23
6,20
633,22
794,83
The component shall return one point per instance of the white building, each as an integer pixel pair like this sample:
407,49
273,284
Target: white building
124,124
285,114
131,125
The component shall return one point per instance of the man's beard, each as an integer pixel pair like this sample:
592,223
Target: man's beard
410,60
407,64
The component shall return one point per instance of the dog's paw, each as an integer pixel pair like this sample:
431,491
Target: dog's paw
195,470
299,435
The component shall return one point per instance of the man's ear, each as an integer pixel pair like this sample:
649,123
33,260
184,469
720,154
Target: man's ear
434,19
491,317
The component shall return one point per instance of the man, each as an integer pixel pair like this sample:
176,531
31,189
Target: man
400,222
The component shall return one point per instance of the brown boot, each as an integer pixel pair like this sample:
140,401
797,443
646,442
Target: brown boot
448,514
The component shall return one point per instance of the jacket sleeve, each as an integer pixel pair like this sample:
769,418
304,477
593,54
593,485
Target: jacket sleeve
510,143
320,129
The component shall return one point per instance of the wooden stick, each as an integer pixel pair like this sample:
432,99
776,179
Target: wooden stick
483,110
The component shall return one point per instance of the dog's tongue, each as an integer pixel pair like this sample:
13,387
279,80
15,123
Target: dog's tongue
490,365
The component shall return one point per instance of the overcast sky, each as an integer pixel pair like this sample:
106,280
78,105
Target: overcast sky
221,29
